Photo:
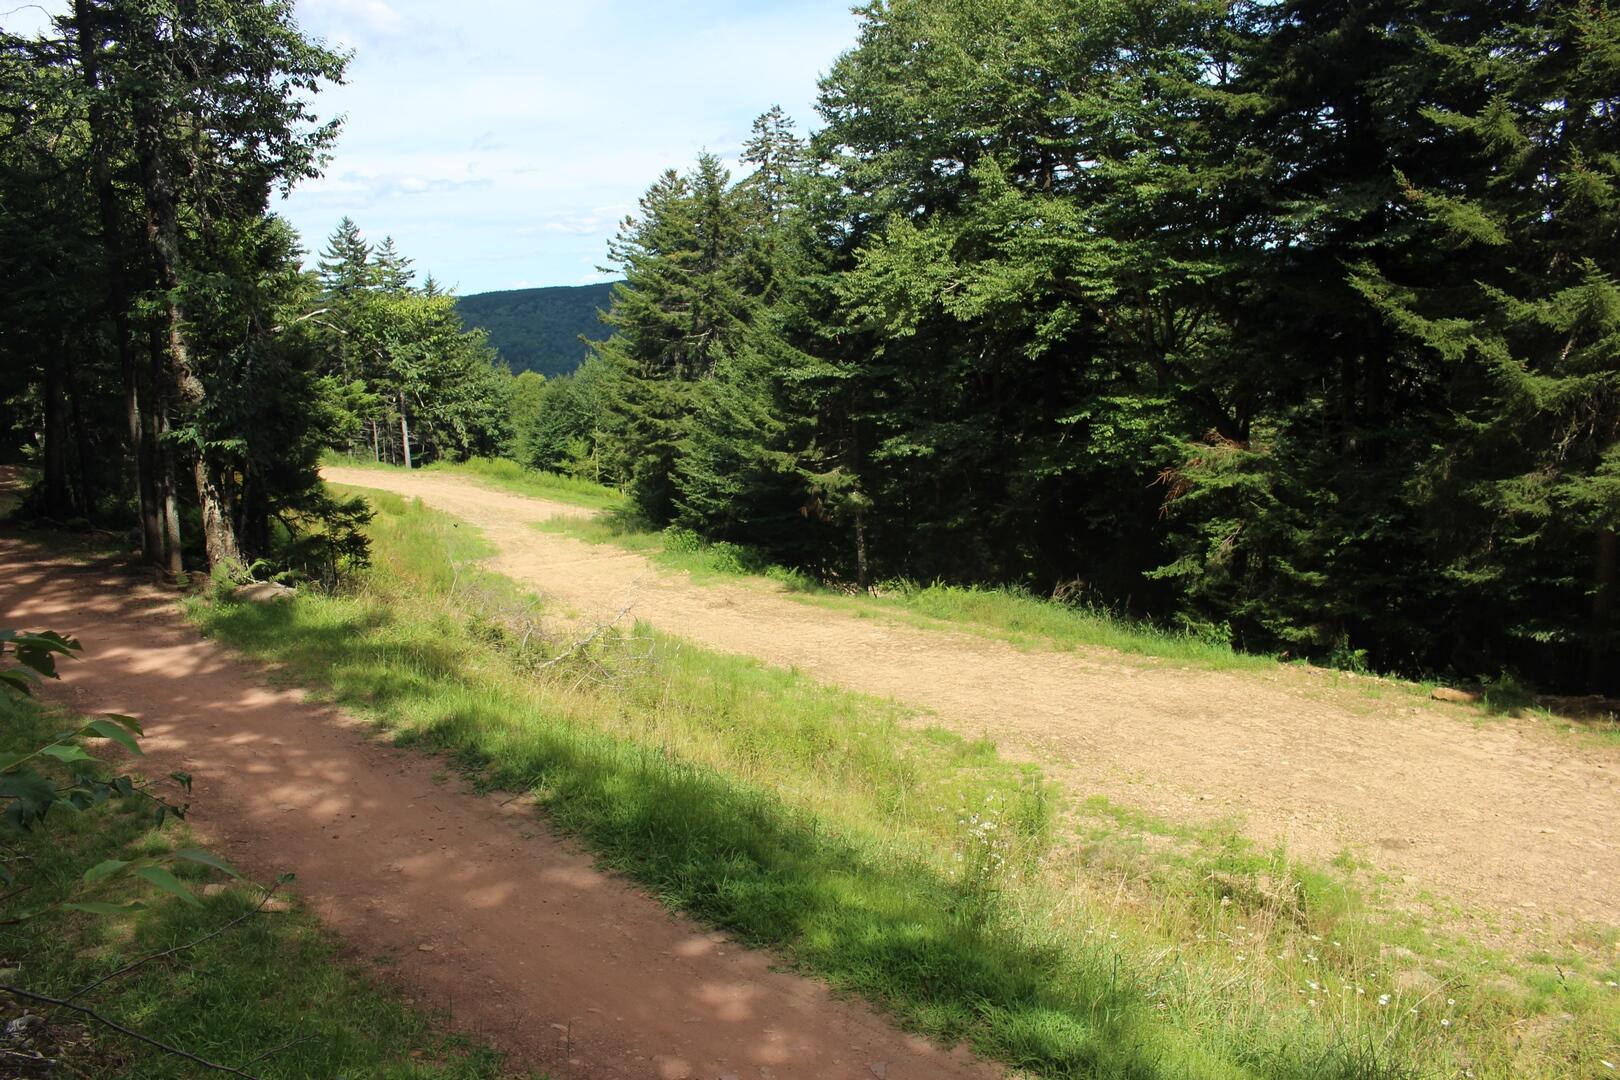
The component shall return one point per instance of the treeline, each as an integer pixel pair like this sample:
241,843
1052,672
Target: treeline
1294,323
170,364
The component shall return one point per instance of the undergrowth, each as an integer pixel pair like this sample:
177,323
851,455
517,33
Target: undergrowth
904,863
271,991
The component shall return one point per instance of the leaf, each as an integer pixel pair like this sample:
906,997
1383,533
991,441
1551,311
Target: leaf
183,779
108,728
207,859
98,907
104,870
166,881
67,753
129,722
28,785
19,680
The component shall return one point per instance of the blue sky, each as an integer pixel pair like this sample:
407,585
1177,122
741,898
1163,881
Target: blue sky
500,141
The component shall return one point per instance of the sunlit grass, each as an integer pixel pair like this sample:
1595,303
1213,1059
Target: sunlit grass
274,981
920,870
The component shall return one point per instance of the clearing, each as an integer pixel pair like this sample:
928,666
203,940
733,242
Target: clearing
1505,816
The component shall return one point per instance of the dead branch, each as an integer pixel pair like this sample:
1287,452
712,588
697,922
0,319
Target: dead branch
130,1032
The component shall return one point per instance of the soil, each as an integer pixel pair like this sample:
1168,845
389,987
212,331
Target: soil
1505,816
466,904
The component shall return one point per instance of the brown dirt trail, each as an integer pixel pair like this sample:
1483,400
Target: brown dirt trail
467,904
1504,815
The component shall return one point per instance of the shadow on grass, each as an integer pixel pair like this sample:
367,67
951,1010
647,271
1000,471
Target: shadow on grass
871,916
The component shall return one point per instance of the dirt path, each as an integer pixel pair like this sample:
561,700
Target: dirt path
1502,814
468,905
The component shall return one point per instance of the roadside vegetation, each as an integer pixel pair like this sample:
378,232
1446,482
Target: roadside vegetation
268,994
926,873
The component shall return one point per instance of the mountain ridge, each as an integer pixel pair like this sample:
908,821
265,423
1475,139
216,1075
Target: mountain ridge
539,329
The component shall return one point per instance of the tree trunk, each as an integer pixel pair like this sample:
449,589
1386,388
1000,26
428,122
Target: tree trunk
1603,677
58,497
860,546
118,293
218,522
163,232
404,432
164,470
376,451
84,491
143,449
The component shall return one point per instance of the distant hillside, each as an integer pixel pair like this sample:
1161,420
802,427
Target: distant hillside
539,329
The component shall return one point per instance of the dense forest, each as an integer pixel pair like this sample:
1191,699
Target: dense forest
1295,324
170,360
539,330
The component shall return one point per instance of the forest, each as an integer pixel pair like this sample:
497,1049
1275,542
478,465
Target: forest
1294,325
1289,325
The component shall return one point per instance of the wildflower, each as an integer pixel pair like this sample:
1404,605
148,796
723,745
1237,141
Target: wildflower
1360,992
1383,999
1312,985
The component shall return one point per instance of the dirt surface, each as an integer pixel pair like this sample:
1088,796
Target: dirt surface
1503,815
468,905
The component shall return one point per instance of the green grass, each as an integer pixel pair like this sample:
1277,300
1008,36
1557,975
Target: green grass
921,871
1008,614
274,979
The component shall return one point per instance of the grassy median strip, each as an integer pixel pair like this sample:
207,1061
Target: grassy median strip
270,990
921,870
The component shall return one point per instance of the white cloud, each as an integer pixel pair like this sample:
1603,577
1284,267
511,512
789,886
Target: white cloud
501,140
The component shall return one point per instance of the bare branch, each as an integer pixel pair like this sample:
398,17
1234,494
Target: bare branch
122,1030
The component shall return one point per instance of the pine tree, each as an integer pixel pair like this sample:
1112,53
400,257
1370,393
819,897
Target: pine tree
345,264
392,270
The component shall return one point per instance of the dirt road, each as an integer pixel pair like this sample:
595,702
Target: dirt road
1505,814
470,906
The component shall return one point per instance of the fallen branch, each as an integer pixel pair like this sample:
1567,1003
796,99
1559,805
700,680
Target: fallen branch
589,639
122,1030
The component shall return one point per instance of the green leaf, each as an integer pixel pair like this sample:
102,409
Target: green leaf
207,859
109,728
68,753
28,785
104,870
166,881
129,722
98,907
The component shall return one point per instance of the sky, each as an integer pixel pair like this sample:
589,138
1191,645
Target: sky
499,142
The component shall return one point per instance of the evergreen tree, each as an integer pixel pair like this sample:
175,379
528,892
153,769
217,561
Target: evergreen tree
345,264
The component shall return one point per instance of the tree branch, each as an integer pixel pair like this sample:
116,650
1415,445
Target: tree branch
131,1032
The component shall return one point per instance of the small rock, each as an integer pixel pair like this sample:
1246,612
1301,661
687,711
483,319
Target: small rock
424,947
880,1069
25,1026
214,888
1452,694
262,592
